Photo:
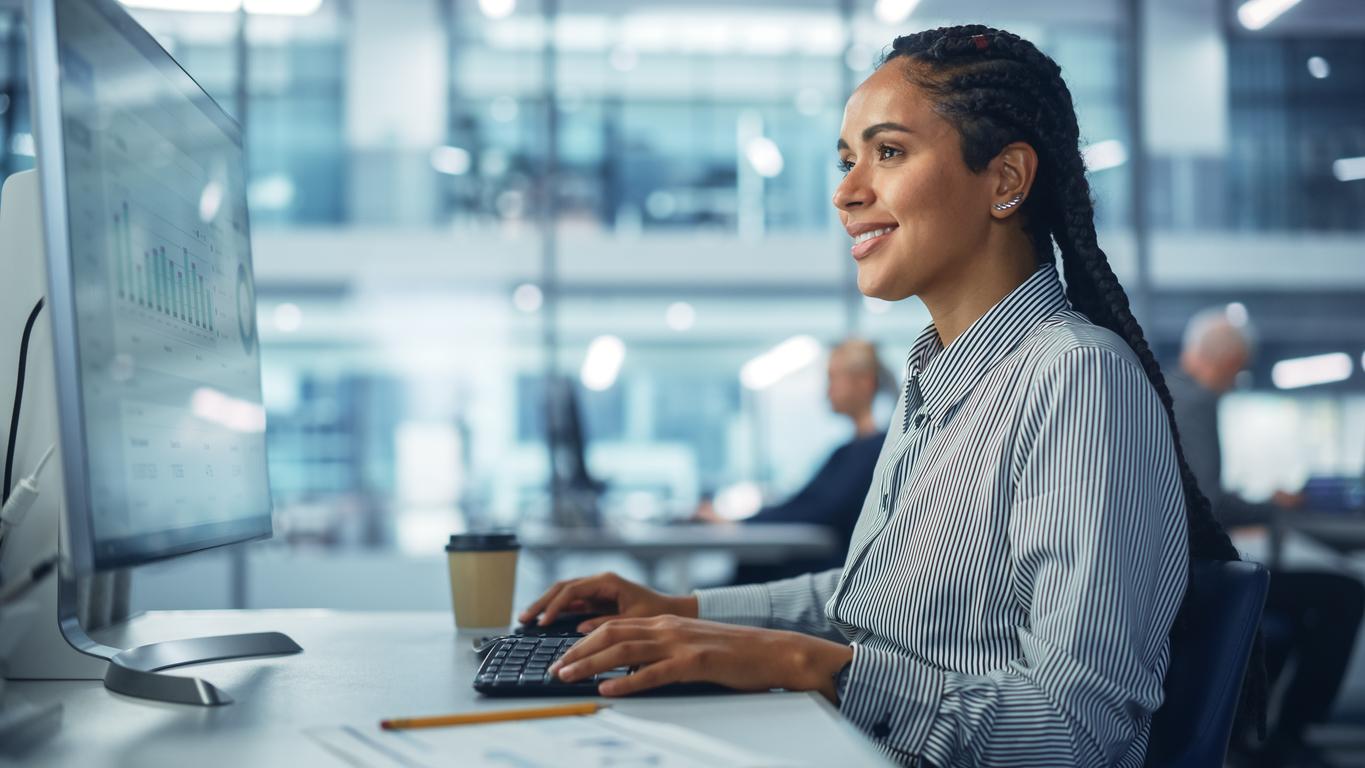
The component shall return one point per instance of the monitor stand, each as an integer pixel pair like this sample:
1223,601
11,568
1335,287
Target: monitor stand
54,645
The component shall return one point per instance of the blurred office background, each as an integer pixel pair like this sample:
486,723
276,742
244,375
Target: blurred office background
451,198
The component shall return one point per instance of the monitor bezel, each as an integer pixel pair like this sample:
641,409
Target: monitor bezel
84,554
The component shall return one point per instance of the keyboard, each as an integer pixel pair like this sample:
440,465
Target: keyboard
520,666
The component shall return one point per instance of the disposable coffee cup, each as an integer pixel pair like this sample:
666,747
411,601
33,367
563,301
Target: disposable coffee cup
483,574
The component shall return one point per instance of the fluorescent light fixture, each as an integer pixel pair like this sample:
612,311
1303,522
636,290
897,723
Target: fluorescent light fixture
1309,371
527,298
779,362
602,364
894,11
1256,14
1319,68
262,7
1103,155
1347,168
454,161
763,154
271,193
288,317
198,6
497,9
680,316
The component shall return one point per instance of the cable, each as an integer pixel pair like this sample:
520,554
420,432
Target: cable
21,500
19,397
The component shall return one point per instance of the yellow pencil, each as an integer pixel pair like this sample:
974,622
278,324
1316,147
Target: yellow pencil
497,716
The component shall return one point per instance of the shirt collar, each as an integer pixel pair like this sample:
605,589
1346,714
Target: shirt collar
945,375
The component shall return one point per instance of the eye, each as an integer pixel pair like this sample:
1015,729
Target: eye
885,152
844,166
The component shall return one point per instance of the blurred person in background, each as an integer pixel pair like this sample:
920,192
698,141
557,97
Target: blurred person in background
1311,617
834,496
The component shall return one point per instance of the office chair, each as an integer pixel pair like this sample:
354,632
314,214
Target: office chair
1208,662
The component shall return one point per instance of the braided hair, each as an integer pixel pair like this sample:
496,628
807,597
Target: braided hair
996,88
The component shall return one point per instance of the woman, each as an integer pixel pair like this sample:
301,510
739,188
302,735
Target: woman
1013,578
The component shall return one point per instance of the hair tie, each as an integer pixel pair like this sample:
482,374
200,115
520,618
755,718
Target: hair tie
982,42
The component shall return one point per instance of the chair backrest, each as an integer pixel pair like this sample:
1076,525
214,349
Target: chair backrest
1208,662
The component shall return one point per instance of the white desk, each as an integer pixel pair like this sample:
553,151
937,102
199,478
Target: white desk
359,668
653,546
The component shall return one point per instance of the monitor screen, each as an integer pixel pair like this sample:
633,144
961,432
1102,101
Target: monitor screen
158,288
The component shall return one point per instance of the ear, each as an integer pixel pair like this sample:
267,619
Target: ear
1012,172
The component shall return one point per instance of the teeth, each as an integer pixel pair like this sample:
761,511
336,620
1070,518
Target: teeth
864,237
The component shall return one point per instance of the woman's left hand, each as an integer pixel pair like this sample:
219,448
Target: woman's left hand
671,649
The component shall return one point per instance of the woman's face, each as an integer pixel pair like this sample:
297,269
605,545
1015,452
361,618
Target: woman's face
918,217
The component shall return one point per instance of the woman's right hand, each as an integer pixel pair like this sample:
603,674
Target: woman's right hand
606,593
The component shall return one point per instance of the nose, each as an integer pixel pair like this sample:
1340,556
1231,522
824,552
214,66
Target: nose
853,192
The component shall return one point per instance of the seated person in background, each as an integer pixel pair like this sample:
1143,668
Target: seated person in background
834,497
1320,610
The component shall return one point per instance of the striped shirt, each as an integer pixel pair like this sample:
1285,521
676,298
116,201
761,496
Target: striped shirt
1019,558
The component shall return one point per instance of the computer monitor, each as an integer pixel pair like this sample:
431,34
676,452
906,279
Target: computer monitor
151,296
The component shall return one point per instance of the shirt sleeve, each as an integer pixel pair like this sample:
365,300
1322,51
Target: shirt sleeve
795,604
1097,534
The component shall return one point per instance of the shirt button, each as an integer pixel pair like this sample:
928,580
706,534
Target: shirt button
919,420
881,730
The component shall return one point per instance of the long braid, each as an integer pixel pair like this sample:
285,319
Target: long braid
997,88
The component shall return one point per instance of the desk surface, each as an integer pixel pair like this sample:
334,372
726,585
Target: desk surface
359,668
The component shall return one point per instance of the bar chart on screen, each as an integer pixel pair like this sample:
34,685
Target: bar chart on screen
159,277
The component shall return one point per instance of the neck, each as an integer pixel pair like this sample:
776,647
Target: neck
983,282
863,423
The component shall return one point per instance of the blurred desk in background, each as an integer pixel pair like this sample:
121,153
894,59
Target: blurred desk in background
1341,531
654,547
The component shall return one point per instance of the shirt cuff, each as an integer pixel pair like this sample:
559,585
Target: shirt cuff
892,698
749,604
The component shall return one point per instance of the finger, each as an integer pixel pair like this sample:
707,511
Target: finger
618,631
583,590
590,624
627,654
652,676
535,608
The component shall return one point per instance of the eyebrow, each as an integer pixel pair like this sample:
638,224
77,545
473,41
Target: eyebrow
873,130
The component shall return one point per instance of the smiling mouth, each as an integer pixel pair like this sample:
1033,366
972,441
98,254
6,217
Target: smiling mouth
865,242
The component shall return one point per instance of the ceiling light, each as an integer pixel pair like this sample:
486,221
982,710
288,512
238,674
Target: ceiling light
894,11
1349,168
497,9
1103,155
1318,67
454,161
763,154
680,316
528,298
262,7
1256,14
1309,371
779,362
288,317
602,364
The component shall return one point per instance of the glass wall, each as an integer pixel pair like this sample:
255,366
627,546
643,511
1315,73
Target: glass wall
421,270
